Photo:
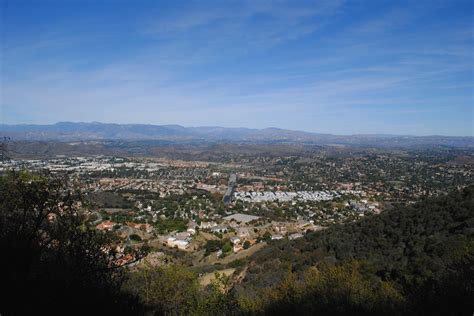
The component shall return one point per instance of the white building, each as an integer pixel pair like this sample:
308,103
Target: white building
180,243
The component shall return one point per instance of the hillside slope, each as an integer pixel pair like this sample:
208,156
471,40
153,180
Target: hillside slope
423,252
70,131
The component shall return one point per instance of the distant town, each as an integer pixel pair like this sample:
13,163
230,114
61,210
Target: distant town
219,212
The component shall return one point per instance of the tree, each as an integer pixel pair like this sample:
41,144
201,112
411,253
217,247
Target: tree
267,236
246,244
213,245
227,247
218,297
53,259
135,237
170,290
329,290
408,260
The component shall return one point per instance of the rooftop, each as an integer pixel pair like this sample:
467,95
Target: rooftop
244,218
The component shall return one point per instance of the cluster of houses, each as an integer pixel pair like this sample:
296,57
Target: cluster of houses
243,226
106,226
282,196
363,206
182,240
237,222
247,228
238,243
109,225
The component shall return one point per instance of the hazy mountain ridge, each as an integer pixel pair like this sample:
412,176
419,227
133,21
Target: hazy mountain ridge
69,131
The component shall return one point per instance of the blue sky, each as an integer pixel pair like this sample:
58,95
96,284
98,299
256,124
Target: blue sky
341,67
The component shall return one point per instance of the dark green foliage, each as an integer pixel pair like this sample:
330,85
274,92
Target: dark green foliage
109,200
52,263
227,247
328,290
168,290
449,292
175,290
237,263
424,250
213,245
135,237
407,261
218,298
267,236
170,225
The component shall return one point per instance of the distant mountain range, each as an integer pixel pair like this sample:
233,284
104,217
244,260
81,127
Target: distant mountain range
69,131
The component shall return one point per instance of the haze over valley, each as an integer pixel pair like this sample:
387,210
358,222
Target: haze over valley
237,157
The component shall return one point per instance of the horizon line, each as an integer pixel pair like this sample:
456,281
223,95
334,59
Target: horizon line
237,127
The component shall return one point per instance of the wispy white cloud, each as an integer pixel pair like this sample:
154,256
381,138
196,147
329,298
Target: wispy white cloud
242,25
196,16
235,64
388,21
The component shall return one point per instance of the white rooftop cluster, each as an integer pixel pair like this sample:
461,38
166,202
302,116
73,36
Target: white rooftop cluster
283,196
79,164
